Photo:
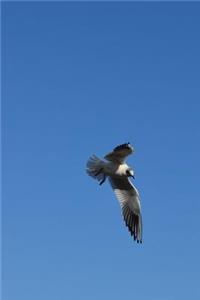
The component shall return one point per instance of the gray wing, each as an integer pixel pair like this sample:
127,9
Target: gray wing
120,153
128,198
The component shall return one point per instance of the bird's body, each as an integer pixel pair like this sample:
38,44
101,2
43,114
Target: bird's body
115,169
118,173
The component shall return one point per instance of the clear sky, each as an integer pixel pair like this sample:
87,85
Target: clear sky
81,78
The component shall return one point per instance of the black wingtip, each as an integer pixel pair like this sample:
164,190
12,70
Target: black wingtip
123,146
139,242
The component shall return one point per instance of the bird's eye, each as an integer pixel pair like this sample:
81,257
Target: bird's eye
129,173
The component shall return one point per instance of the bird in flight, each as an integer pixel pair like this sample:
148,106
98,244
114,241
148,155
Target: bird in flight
118,173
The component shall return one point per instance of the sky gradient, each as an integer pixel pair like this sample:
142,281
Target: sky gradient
78,79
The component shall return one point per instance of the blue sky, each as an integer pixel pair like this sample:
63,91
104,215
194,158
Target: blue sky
81,78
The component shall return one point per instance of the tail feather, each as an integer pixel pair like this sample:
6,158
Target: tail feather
95,168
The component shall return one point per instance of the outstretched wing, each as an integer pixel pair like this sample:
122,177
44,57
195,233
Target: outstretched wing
120,153
128,198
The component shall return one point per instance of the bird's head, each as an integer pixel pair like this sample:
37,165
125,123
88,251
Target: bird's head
130,173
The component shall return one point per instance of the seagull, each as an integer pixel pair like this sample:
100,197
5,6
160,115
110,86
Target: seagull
118,173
